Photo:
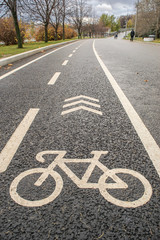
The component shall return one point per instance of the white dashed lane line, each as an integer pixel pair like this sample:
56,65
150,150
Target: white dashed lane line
25,65
54,78
65,63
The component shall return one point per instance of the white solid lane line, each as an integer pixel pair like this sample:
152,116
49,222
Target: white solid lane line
148,141
25,65
54,78
65,63
15,140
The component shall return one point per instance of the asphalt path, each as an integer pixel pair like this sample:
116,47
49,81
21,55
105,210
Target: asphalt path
63,108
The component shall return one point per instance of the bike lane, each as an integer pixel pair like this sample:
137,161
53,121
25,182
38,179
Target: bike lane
103,125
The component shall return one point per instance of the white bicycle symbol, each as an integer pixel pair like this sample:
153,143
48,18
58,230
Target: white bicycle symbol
81,183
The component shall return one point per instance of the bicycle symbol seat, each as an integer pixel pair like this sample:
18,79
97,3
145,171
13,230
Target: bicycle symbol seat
103,187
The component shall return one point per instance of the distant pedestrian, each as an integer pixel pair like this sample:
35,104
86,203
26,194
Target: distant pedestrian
132,34
116,35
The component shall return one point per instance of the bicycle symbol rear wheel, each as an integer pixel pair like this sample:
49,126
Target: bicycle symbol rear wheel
27,203
126,204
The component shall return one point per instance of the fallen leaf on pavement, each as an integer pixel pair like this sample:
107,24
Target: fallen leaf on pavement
145,80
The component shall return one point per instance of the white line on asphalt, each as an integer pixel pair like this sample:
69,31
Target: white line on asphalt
80,45
25,65
70,55
65,63
15,140
74,51
54,78
79,108
81,96
81,101
148,141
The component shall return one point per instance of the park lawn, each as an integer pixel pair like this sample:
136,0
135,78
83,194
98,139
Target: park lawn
157,41
141,39
6,51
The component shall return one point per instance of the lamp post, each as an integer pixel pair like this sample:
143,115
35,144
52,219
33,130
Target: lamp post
126,20
136,18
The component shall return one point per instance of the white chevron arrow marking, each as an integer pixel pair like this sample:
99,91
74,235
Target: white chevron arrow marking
79,108
82,96
81,101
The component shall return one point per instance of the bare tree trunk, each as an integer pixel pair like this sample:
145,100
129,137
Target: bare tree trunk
46,32
56,33
157,25
63,29
18,33
79,33
63,22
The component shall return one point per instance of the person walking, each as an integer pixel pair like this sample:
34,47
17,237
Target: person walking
132,34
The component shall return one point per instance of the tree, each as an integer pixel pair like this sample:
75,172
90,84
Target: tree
148,18
130,23
79,11
125,21
105,20
63,17
66,11
110,22
11,6
7,31
117,25
56,17
40,11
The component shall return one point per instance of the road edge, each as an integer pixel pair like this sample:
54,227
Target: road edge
20,56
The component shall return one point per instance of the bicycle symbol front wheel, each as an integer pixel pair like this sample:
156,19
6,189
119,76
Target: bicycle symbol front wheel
126,204
27,203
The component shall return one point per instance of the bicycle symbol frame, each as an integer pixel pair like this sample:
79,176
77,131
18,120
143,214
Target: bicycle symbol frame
81,183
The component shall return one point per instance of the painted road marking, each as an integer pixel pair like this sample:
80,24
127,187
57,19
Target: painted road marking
65,63
54,78
12,145
81,101
25,65
83,182
81,107
81,96
70,55
148,141
74,51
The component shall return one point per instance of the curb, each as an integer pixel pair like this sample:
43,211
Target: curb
20,56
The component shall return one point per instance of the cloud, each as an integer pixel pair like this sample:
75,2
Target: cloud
116,7
105,8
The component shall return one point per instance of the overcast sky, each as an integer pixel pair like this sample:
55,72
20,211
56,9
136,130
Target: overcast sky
115,7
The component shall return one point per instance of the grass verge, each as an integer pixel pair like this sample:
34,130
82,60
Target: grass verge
7,51
141,39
